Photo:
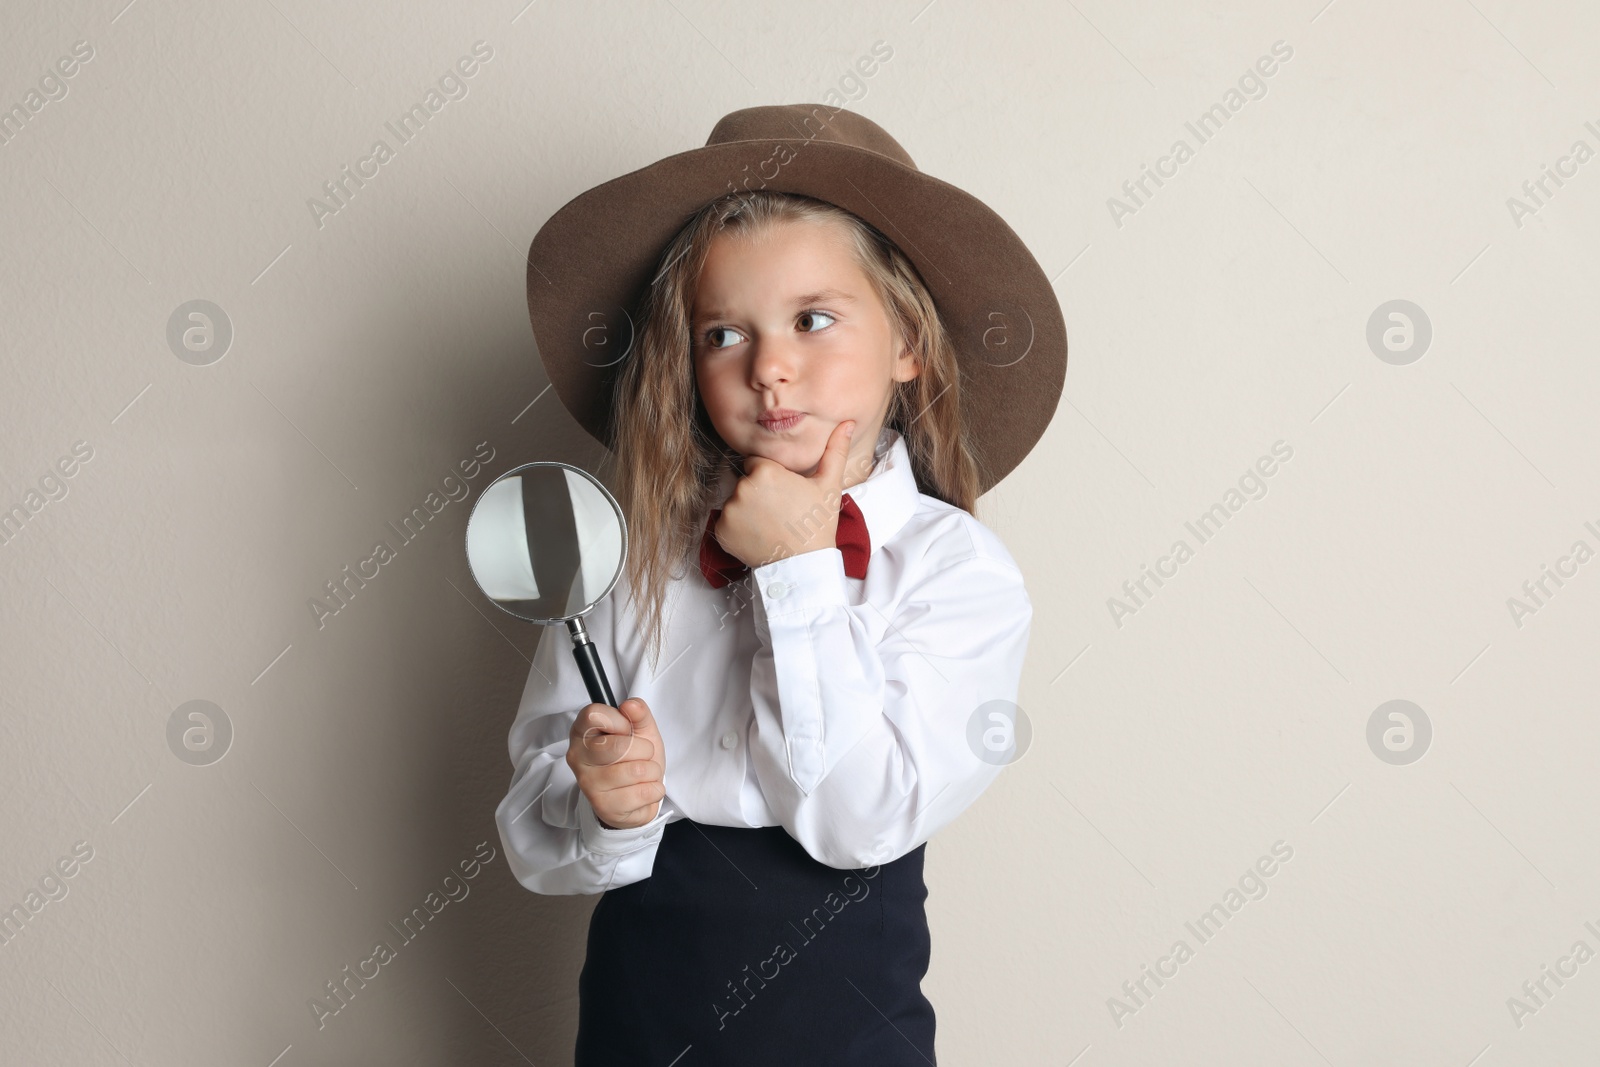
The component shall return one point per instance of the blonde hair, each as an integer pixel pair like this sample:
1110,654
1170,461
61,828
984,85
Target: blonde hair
666,456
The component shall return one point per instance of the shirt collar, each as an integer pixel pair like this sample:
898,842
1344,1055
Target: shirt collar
887,497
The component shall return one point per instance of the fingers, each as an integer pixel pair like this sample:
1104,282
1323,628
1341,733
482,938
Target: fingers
602,735
602,718
624,775
621,774
630,802
605,750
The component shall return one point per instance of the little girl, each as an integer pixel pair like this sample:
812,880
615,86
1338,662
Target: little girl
816,638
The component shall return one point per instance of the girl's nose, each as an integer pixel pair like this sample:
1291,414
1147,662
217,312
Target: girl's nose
772,360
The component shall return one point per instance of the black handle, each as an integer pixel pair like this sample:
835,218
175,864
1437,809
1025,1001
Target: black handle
594,674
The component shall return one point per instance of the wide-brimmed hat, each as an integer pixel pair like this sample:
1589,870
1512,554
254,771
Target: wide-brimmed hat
591,260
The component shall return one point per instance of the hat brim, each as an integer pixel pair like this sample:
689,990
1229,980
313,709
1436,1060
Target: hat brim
589,263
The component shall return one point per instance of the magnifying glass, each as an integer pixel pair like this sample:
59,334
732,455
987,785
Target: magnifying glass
546,542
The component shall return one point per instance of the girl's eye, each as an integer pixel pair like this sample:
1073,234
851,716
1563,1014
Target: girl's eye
711,334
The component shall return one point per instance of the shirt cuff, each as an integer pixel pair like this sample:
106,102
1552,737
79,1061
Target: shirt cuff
606,842
801,584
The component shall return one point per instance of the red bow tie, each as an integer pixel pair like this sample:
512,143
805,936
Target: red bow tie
721,567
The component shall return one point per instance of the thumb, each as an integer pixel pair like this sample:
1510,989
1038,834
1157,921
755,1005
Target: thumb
636,711
830,469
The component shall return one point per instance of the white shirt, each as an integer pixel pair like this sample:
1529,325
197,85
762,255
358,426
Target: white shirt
836,707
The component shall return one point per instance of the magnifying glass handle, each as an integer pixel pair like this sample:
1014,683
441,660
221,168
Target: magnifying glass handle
588,657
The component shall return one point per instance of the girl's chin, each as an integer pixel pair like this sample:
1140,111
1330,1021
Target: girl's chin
792,454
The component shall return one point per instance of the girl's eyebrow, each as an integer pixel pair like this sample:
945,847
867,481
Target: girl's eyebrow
818,297
824,294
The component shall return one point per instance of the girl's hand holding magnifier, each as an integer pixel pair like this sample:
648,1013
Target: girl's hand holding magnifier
618,759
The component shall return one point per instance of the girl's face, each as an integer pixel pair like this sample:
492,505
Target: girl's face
787,320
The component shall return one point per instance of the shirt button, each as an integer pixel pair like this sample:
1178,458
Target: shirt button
730,739
777,590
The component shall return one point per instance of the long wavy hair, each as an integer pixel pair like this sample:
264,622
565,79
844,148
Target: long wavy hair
665,455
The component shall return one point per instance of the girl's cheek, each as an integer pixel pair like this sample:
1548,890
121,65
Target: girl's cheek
716,393
836,351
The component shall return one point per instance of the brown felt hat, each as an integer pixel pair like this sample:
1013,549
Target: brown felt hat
591,260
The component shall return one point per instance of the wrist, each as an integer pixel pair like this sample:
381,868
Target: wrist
607,826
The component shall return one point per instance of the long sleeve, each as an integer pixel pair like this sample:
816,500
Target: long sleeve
553,842
862,749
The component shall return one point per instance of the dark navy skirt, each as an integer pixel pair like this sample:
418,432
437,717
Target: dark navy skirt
740,949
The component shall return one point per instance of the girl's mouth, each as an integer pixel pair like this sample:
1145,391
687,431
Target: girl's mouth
781,425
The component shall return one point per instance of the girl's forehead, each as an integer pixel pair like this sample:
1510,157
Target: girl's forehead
811,256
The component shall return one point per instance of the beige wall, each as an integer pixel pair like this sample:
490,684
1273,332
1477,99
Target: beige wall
375,349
